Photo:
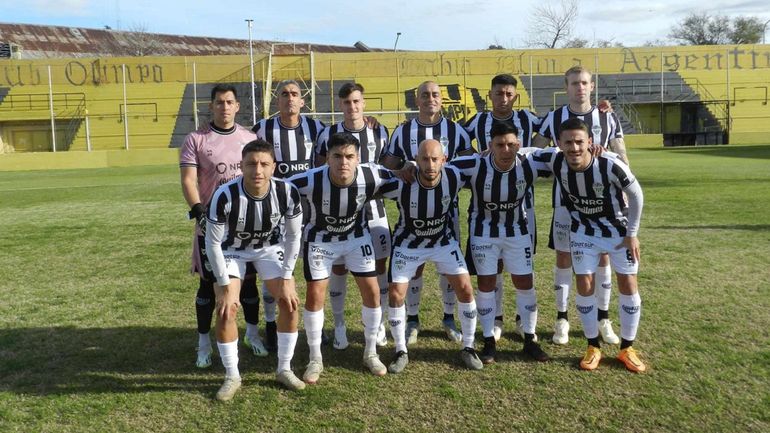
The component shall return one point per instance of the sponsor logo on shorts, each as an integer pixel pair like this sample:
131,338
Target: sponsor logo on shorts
399,264
484,311
531,308
630,309
583,245
584,309
577,256
407,257
320,252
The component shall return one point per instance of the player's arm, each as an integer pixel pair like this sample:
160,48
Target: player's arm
291,245
618,145
392,162
635,203
189,178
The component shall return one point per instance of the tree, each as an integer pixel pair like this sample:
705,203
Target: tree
140,42
747,30
550,27
704,29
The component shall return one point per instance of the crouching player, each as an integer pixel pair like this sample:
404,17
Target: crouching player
425,232
243,227
602,222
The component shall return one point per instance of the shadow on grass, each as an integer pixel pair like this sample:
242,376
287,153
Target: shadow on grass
131,359
731,151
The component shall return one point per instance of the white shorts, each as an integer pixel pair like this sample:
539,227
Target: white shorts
586,250
380,231
357,255
560,229
515,251
268,261
404,262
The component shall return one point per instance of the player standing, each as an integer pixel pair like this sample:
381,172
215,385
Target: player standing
498,231
425,232
241,228
503,95
372,141
605,130
596,190
293,136
337,194
209,158
403,147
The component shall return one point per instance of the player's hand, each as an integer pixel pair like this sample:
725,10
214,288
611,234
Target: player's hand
287,294
596,150
604,106
198,213
371,122
407,173
631,243
227,304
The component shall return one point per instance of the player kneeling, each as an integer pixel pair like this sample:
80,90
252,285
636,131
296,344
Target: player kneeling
243,227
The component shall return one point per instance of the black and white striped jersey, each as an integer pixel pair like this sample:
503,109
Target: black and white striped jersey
407,137
293,146
425,214
373,142
594,196
524,120
335,212
603,126
496,208
251,222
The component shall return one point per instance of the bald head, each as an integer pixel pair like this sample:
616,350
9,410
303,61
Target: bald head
430,161
429,101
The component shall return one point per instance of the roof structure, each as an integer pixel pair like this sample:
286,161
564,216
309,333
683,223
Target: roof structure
36,41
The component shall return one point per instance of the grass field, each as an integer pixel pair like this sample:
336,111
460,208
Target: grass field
97,329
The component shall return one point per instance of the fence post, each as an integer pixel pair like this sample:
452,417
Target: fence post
195,95
88,132
50,106
125,107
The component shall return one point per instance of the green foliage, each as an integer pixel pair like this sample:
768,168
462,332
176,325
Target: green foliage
700,28
97,327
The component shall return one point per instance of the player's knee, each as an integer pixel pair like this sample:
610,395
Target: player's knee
563,259
584,284
627,284
522,282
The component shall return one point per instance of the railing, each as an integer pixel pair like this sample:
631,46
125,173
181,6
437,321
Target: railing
73,125
41,101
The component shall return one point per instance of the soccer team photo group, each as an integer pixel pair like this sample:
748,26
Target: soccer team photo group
313,196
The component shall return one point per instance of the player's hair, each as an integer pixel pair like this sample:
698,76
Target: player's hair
577,69
258,145
285,83
349,88
223,88
505,80
572,124
423,84
502,128
342,139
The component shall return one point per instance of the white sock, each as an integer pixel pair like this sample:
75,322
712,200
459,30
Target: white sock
286,343
252,330
499,285
448,295
337,291
485,304
314,322
630,308
269,303
413,296
397,317
586,306
467,313
603,287
228,353
382,282
562,280
526,307
204,342
371,318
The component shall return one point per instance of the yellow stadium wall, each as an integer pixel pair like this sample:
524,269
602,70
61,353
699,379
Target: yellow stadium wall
738,75
95,159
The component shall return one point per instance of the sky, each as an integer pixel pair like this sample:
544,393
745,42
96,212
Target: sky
424,24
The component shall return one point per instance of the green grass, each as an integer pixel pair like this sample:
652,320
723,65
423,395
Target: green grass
97,328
